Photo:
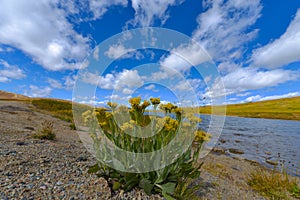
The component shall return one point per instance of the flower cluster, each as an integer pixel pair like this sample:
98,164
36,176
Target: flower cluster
201,136
155,101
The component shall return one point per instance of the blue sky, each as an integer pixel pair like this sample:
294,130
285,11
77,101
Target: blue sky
254,44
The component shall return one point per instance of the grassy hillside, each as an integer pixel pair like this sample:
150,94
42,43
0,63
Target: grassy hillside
287,108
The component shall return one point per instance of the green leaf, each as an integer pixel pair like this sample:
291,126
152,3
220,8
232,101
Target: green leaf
94,169
146,185
168,197
168,188
116,186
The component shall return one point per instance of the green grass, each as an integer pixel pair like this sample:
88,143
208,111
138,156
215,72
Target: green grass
287,108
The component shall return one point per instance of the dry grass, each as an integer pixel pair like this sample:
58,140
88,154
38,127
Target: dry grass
46,132
273,184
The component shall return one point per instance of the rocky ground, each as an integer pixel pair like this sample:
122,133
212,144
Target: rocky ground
43,169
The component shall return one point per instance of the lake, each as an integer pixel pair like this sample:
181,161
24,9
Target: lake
261,140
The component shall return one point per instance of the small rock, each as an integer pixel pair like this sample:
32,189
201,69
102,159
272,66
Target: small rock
268,153
271,162
29,128
237,134
59,183
236,151
222,141
43,187
20,143
218,150
13,152
236,167
237,141
81,158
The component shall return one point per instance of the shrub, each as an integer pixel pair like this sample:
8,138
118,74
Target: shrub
46,132
173,180
72,126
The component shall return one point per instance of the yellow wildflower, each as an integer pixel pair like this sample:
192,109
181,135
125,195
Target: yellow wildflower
145,104
201,136
155,101
192,118
171,124
112,105
135,101
108,115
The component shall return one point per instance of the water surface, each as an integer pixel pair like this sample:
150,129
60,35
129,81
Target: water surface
262,139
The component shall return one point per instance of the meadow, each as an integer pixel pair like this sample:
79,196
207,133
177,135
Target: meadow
286,108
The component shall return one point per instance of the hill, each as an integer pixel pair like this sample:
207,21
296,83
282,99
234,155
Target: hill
286,108
12,96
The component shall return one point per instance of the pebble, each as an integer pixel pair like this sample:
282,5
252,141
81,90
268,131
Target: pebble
235,151
20,143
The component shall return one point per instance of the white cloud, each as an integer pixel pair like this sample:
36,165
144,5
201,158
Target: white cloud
223,29
251,79
96,53
253,98
42,31
99,7
5,49
69,81
188,85
282,51
128,78
150,87
54,83
243,94
36,91
127,91
291,94
244,79
185,56
10,72
147,11
117,50
260,98
119,81
116,97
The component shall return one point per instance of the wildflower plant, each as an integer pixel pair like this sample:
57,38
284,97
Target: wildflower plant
122,136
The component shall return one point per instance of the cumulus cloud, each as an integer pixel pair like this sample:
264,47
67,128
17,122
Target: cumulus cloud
42,31
35,91
9,72
121,81
147,11
185,56
281,51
